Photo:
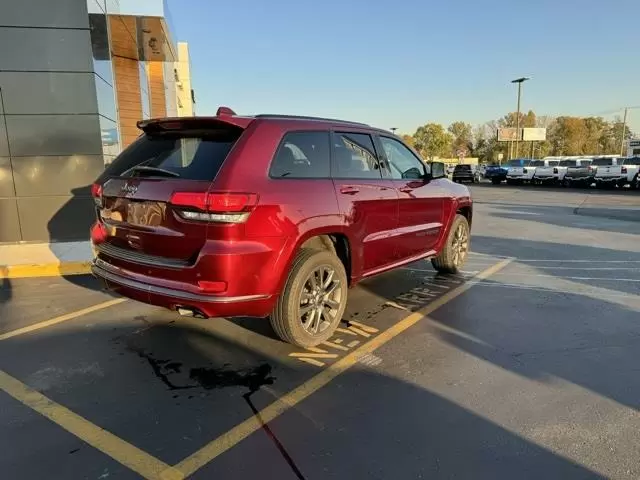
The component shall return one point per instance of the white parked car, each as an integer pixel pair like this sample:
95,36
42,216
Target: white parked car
624,172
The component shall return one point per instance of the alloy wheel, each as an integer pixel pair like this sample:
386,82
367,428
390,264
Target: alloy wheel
460,245
320,300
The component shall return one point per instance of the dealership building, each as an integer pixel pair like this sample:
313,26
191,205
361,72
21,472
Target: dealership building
75,77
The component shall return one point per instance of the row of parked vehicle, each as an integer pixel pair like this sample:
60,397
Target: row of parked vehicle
607,171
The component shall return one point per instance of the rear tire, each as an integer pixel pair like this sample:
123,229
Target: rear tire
313,301
496,181
456,248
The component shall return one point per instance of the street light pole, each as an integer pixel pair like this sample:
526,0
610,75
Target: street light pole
624,130
519,81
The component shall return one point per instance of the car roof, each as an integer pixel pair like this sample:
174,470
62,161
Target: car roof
225,115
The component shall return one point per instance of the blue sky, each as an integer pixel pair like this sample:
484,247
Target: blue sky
414,62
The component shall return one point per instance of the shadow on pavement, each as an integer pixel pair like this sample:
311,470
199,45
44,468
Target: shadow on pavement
170,388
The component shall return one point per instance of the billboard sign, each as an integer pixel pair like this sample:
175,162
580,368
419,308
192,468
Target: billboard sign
507,134
534,134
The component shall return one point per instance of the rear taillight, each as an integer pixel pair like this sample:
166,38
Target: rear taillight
555,170
96,193
214,207
98,233
624,170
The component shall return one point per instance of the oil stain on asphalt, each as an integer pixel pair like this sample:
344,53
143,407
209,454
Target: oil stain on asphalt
208,378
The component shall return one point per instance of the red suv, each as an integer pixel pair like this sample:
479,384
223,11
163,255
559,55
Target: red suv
270,215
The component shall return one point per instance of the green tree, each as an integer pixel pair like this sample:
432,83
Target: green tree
462,134
432,140
408,139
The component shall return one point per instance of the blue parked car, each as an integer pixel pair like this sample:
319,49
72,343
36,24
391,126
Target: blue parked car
495,173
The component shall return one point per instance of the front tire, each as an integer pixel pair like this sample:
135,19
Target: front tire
453,255
313,301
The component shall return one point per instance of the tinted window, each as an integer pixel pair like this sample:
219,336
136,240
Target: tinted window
602,162
586,162
402,162
187,157
514,163
302,155
568,163
355,157
554,163
462,168
536,163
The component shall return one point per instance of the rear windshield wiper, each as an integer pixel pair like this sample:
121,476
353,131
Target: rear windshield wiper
152,170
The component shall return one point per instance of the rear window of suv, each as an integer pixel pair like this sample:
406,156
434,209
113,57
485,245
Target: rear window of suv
175,155
460,168
602,162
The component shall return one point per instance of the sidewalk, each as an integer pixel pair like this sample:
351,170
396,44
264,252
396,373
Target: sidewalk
45,260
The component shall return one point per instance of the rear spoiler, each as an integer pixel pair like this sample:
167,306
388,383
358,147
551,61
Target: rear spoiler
192,123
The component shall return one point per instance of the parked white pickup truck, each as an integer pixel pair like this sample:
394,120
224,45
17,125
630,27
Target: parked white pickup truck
525,174
625,172
549,172
556,174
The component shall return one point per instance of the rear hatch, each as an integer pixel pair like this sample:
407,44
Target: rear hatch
462,171
150,194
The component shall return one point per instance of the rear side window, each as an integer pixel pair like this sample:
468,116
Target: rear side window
302,155
355,157
173,156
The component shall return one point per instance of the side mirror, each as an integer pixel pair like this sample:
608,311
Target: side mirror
437,170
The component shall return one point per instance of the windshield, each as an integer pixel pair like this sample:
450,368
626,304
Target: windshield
515,163
568,163
536,163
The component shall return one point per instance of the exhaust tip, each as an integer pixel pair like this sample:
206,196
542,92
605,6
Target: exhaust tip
190,312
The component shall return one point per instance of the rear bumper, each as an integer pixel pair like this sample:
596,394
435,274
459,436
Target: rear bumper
616,179
145,290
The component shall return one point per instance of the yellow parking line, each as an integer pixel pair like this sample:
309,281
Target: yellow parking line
313,355
131,457
194,462
360,332
59,269
61,318
311,361
364,327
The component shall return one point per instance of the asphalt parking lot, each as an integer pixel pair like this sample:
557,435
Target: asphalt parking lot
524,366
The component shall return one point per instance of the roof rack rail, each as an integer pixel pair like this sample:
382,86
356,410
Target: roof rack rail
318,119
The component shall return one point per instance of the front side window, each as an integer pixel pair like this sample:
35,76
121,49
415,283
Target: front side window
302,155
402,162
354,156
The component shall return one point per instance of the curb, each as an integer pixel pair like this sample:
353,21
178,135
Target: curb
45,270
